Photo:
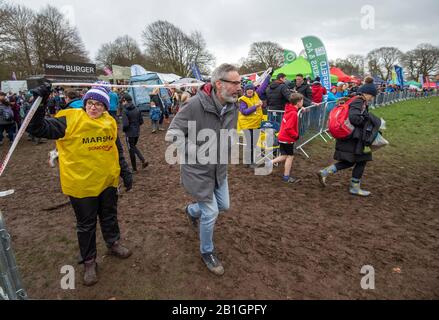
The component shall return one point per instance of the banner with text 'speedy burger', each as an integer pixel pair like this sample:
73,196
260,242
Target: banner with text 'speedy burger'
61,68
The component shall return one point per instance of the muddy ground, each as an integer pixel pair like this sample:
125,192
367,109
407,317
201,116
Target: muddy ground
278,241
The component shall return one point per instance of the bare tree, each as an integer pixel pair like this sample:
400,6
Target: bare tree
382,61
28,39
352,65
62,40
124,51
424,59
15,36
266,54
169,49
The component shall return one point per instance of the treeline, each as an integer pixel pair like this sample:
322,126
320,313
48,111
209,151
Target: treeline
28,38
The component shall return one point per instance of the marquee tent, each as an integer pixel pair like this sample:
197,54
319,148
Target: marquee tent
299,66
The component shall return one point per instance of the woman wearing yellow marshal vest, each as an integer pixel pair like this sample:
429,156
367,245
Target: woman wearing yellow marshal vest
90,163
250,116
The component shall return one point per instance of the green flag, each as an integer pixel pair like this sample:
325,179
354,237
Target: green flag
318,58
289,56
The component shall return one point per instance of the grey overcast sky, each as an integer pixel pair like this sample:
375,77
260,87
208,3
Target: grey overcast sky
229,27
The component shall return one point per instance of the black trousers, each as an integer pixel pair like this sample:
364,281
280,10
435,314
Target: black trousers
132,142
87,210
358,171
251,140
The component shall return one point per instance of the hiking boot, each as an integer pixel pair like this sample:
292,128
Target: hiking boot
145,164
355,189
290,180
213,263
194,222
323,174
119,251
90,273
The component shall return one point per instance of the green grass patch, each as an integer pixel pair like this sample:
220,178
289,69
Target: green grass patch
412,129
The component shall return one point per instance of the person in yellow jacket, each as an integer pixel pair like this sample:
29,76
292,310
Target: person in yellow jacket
250,117
90,162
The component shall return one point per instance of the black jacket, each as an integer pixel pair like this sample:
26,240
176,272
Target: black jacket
278,95
306,91
352,148
55,128
131,121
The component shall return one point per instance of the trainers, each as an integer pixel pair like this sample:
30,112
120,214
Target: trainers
290,180
194,222
145,164
213,263
119,251
90,273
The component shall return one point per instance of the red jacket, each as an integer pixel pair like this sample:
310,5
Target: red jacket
289,129
318,91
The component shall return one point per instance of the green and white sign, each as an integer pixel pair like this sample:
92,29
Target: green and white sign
318,58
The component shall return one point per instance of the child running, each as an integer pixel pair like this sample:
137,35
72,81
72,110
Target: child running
288,135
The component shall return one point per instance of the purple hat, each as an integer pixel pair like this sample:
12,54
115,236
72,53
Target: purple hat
99,94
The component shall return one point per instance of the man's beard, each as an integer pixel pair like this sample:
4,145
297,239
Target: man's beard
230,98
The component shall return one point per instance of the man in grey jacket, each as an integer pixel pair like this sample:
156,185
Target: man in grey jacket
214,109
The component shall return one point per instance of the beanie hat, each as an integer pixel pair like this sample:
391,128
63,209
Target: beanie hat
127,97
368,88
99,94
249,86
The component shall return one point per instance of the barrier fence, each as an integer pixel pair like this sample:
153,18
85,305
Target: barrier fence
11,287
313,120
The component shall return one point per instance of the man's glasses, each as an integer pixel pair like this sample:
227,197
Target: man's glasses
236,83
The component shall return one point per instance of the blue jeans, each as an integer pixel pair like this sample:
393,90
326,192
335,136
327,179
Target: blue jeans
208,212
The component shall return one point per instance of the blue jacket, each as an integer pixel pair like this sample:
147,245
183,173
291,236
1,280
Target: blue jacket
155,113
331,97
114,101
75,104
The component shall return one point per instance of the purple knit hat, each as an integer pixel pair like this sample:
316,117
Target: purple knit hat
99,94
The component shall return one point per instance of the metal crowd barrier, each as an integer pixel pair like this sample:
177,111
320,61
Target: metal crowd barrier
313,120
311,124
11,287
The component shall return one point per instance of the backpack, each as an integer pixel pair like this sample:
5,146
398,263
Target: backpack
338,124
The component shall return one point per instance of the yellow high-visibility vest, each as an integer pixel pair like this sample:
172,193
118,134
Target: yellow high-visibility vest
254,120
88,155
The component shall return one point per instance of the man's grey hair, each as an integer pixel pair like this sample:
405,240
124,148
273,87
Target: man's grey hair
221,72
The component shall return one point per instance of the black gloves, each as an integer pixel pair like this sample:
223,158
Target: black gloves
43,90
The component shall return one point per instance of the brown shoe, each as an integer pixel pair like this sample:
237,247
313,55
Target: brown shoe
90,273
119,251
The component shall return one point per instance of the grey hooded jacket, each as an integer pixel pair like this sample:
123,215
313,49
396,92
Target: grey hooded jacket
198,179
